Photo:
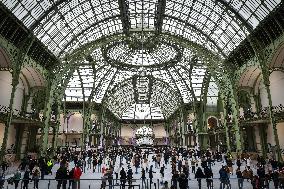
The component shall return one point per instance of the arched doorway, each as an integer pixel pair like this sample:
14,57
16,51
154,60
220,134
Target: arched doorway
212,126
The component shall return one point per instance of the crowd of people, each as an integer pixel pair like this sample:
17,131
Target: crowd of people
117,166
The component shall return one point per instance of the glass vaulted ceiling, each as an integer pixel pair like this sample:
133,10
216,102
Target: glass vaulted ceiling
144,78
63,26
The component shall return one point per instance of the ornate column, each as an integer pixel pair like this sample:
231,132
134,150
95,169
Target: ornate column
54,91
182,126
19,139
56,129
262,60
272,120
47,115
17,66
236,113
224,121
263,139
87,123
201,129
229,89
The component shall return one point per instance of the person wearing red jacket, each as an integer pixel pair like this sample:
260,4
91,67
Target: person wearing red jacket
76,176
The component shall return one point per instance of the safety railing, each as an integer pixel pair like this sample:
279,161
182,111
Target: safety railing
214,183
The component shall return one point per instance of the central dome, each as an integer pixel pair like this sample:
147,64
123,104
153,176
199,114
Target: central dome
148,54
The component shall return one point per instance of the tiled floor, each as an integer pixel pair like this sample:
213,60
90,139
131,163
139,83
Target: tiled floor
95,184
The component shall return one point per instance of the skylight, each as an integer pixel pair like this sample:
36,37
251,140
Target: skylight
64,26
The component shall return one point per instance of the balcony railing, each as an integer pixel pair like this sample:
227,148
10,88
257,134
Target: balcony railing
18,114
250,116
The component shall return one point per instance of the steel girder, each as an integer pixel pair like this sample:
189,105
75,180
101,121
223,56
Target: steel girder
261,57
17,64
188,88
114,98
179,93
83,31
111,82
200,31
169,16
196,50
239,17
89,47
54,7
12,53
160,16
54,90
121,86
101,81
124,15
82,85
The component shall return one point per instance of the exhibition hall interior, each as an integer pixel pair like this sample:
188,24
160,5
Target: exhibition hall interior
167,84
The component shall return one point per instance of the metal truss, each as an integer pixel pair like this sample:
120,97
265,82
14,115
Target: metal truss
141,52
64,25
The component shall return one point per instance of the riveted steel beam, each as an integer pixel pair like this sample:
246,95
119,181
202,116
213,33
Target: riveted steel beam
220,50
178,91
159,17
54,7
84,30
124,15
237,14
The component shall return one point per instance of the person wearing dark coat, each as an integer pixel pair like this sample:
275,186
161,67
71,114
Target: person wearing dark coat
224,178
62,176
109,177
122,177
162,171
179,165
151,174
2,180
240,178
26,179
175,177
208,175
261,175
17,178
185,171
143,177
275,179
239,163
136,163
199,175
183,182
274,164
129,176
43,167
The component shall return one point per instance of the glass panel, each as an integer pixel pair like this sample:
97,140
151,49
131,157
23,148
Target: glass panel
210,23
64,26
143,112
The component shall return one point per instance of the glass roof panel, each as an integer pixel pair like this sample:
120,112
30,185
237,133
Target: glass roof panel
182,79
212,95
123,53
143,112
159,74
142,13
66,25
253,10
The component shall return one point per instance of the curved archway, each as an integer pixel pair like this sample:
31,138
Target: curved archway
212,122
278,58
249,77
212,125
5,61
32,77
276,79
